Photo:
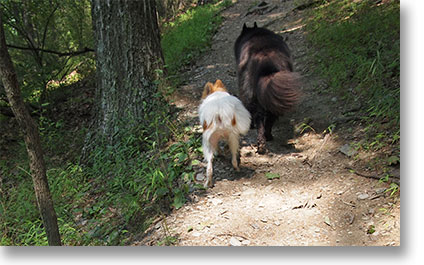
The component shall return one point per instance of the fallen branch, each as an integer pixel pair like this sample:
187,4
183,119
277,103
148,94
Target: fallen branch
60,54
231,235
327,136
348,203
391,178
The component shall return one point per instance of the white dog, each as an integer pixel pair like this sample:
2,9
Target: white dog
223,117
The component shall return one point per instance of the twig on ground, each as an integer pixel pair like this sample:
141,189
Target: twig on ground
348,203
391,178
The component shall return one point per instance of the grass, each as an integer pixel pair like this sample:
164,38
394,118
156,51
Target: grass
359,56
190,34
123,187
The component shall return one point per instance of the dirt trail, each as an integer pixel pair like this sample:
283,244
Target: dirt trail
316,200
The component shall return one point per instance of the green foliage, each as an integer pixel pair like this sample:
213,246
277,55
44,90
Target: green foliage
124,186
394,188
149,170
47,25
371,229
190,34
271,176
359,56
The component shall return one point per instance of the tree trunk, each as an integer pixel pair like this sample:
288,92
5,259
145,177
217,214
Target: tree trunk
32,141
128,54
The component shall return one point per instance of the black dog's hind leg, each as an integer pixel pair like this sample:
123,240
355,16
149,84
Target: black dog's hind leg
269,122
252,108
260,125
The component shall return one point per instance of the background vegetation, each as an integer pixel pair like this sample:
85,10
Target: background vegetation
357,50
124,187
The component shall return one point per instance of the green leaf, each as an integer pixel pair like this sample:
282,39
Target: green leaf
161,191
272,175
393,160
371,229
195,162
182,157
179,200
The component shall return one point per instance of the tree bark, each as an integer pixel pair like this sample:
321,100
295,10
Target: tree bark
128,54
32,141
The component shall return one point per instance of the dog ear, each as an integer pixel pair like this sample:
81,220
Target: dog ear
207,90
255,25
218,83
245,28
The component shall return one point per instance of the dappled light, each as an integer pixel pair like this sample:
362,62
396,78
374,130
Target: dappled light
124,146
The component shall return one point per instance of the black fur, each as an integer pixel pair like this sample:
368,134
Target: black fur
268,87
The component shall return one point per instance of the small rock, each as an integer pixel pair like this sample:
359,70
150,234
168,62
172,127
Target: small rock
277,223
196,234
245,242
264,220
235,242
255,226
317,230
200,177
347,150
334,99
365,218
363,196
216,201
380,190
350,217
327,221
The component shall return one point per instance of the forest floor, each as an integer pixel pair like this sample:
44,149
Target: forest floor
324,195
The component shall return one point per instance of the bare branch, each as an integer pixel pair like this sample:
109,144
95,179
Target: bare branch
60,54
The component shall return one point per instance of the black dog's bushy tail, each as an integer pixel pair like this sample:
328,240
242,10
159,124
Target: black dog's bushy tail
278,92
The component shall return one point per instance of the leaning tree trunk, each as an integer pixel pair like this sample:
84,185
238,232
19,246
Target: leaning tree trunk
128,55
32,141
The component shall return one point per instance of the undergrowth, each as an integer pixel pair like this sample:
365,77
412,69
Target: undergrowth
116,196
359,57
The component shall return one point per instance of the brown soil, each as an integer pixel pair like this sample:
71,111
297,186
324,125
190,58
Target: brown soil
322,196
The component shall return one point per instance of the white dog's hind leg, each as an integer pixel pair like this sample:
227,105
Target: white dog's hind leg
208,153
233,142
209,175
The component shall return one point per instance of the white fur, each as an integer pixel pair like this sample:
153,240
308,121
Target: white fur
226,107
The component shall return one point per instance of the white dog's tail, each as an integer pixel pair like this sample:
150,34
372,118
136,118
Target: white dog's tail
220,110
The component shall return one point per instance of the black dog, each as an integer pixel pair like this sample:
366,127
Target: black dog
268,87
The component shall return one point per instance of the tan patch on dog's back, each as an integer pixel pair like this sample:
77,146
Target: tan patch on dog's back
211,88
233,121
206,126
